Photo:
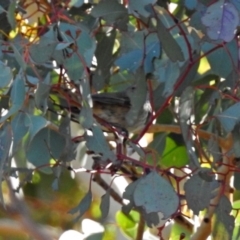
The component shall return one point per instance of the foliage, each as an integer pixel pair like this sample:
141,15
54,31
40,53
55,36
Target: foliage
55,54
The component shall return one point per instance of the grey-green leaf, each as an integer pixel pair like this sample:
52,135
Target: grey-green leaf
109,10
96,142
199,192
11,14
230,117
42,51
155,194
83,206
224,224
139,7
20,126
45,145
5,75
17,97
105,204
169,44
5,144
41,96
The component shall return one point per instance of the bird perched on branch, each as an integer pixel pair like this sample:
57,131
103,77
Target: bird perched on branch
116,109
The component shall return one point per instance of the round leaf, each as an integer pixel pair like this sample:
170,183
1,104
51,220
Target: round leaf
155,194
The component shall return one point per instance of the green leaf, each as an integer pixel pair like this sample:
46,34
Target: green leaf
2,9
42,51
45,145
19,57
228,53
5,144
159,143
74,67
236,180
105,204
41,96
20,126
230,117
152,219
174,155
138,149
185,113
86,115
139,7
199,192
96,142
86,46
236,206
224,222
63,45
11,14
96,236
128,194
169,44
5,75
17,97
83,206
68,153
166,72
154,194
109,10
55,184
105,58
137,98
128,223
36,124
76,3
77,62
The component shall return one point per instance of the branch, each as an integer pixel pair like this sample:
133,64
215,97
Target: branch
225,143
98,179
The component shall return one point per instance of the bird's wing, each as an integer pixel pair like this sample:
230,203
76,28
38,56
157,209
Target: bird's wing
118,98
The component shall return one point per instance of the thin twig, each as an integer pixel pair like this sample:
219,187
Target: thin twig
140,229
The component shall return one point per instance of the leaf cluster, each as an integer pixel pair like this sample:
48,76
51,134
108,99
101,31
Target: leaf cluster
55,54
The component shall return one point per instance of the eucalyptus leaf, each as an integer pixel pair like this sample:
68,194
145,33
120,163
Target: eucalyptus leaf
5,75
105,204
83,206
155,194
17,97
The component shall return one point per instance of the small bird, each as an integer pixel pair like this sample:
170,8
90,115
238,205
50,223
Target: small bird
113,108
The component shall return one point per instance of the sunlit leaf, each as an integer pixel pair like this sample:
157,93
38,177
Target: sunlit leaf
221,19
155,194
127,223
